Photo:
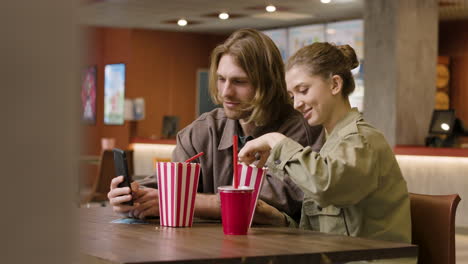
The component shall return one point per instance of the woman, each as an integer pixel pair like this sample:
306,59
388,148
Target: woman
353,186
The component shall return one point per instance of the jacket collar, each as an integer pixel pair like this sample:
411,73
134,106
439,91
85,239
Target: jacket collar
351,117
231,128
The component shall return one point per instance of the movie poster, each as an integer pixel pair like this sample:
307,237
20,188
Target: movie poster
88,95
114,94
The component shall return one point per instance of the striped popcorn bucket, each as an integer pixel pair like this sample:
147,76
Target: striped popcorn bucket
177,187
251,176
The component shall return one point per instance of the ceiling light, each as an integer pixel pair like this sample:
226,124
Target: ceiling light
223,15
270,8
325,1
331,31
182,22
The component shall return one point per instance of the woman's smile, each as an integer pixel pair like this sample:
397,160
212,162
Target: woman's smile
307,113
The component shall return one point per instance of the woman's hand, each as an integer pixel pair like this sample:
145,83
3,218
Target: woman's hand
259,149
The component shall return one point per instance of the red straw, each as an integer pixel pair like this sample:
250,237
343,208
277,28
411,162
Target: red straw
194,157
234,160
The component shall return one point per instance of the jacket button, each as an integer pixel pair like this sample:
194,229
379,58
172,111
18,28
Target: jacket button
277,162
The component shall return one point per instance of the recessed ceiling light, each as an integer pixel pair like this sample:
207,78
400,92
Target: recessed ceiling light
331,31
182,22
270,8
325,1
223,15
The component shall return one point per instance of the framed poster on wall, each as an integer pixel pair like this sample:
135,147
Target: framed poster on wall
301,36
88,96
280,38
114,94
351,32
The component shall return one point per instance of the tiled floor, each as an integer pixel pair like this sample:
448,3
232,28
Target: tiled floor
461,245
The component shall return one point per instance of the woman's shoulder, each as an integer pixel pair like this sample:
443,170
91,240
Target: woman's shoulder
369,131
373,137
363,131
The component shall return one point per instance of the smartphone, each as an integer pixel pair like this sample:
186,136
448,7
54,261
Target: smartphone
121,168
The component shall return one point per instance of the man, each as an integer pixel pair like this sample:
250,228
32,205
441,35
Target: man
247,78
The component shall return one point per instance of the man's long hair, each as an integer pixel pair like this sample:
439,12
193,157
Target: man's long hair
261,60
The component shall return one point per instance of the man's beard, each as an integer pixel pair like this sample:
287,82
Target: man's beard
237,114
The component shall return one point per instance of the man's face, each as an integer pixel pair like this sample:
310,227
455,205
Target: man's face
234,88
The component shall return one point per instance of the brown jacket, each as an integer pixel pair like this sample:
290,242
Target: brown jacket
212,134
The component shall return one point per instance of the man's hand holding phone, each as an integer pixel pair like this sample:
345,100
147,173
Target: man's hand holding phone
145,200
119,195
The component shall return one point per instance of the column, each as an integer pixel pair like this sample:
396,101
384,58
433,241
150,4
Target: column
400,67
39,105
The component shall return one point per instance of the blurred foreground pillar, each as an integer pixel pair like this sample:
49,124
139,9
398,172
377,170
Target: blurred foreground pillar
400,68
39,132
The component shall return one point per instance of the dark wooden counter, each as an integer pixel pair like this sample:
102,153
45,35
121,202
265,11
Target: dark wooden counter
105,242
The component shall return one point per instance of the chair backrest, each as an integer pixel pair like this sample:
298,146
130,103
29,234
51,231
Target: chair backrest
107,173
433,227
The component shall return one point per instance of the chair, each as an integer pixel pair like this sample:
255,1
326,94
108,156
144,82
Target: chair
106,172
433,227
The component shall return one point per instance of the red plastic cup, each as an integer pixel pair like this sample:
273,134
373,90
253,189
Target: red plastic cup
235,209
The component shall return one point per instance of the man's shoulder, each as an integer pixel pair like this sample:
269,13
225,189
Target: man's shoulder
295,126
294,115
215,114
293,122
215,119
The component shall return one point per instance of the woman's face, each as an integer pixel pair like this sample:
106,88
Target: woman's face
313,96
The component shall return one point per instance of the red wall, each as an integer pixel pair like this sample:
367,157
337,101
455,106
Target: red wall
160,66
106,46
163,70
453,42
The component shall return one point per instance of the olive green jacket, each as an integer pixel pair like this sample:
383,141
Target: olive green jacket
353,186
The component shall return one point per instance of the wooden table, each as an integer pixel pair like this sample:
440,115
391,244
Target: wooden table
105,242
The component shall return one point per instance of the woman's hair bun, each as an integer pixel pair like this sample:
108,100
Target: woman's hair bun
350,55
